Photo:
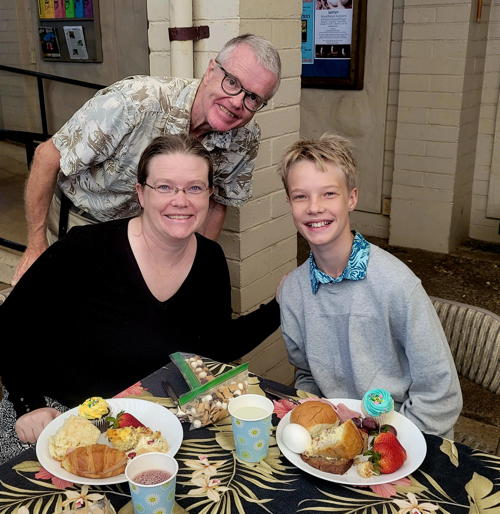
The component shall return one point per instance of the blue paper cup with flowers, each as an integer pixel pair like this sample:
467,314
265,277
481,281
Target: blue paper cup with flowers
151,478
251,419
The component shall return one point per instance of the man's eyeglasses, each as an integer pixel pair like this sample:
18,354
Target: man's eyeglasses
232,86
169,189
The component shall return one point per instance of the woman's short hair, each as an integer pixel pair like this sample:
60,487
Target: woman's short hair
171,144
328,149
265,53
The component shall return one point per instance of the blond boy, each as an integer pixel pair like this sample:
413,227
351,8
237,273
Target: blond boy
353,316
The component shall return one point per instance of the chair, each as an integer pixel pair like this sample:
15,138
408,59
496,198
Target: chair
474,338
4,293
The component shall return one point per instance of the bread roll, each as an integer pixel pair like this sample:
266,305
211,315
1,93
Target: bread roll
95,461
342,442
334,449
315,416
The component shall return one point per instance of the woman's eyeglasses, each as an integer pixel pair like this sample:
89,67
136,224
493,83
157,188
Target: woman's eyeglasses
232,86
169,189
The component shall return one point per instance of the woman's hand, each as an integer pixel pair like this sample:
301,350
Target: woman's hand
30,425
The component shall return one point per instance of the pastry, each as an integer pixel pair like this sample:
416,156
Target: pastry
75,432
137,440
122,438
95,461
148,441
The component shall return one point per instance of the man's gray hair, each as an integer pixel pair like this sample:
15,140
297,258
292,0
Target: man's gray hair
265,53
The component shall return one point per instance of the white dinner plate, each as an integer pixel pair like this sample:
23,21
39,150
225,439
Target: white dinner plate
408,435
153,415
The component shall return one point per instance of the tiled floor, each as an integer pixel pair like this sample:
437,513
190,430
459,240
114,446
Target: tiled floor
13,173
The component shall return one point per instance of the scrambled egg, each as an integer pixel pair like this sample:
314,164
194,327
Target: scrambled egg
75,432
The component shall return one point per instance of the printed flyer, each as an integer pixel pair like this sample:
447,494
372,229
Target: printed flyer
48,42
332,30
75,41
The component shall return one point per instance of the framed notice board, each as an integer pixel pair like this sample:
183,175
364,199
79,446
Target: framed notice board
333,43
69,30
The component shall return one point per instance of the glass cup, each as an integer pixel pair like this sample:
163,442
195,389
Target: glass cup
151,478
251,419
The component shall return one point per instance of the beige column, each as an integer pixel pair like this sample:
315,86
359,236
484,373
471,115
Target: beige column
259,238
441,74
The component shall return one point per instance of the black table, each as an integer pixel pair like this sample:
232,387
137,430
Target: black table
453,477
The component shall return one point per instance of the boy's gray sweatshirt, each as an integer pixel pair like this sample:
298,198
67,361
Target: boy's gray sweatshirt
379,332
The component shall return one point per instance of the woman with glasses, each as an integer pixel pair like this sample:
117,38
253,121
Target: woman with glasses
106,306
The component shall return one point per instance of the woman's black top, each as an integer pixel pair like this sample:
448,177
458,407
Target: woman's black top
82,322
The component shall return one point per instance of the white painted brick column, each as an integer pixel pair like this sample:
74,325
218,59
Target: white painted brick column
438,107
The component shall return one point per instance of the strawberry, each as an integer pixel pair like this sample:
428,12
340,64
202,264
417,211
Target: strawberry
387,454
123,419
386,438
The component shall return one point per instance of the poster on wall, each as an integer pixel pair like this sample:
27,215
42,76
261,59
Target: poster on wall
75,41
333,35
48,42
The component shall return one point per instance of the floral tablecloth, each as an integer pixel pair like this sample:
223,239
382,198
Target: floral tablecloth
452,478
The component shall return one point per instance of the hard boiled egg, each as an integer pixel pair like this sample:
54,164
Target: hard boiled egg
296,437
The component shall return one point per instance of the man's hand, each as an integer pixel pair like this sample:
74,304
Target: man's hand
28,258
30,425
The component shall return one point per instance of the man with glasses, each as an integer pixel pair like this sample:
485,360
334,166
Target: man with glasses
86,172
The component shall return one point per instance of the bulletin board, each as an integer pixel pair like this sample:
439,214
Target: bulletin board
333,43
69,30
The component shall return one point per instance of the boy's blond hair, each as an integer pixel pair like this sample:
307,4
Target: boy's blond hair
328,149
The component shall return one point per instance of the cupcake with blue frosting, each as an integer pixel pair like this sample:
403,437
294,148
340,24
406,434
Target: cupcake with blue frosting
377,403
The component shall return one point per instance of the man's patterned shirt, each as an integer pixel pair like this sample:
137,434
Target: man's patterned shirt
100,145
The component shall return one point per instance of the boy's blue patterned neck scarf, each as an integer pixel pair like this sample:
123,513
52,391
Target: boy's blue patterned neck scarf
355,269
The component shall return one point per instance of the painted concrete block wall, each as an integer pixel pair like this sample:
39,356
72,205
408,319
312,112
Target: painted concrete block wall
484,223
259,238
439,93
467,146
159,42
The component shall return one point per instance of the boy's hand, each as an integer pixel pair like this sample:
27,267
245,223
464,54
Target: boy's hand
30,425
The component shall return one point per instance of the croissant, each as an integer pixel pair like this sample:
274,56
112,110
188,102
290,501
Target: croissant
95,461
